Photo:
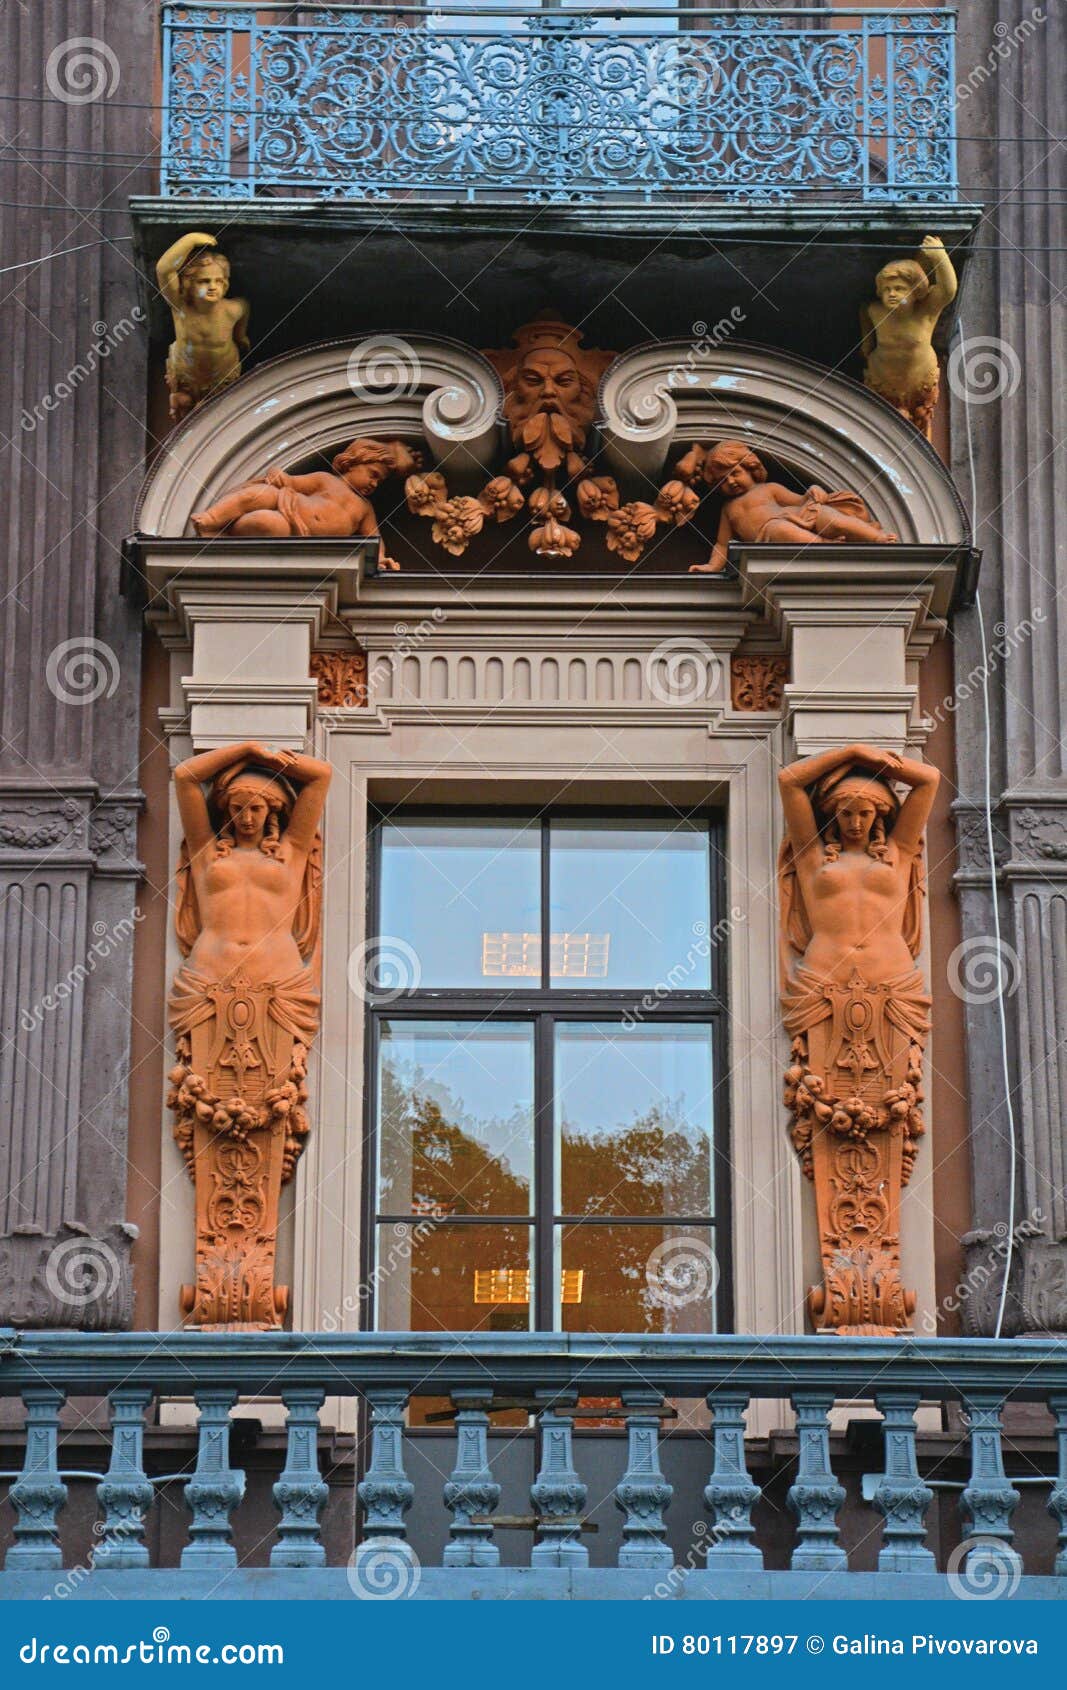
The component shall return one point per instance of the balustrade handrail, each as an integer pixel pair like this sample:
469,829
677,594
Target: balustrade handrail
352,1363
548,1372
374,103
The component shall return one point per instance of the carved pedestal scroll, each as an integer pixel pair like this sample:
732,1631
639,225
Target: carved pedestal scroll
856,1010
244,1008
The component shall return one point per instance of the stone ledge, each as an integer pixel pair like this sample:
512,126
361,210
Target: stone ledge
504,1584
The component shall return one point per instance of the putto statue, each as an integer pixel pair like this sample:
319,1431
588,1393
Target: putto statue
857,1012
210,330
320,505
244,1008
898,328
764,512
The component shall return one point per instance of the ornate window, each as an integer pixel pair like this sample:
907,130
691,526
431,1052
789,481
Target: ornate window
547,1071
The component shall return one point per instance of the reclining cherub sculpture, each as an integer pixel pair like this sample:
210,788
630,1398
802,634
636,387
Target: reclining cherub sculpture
318,505
765,512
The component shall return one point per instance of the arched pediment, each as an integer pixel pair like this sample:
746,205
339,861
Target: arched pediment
314,401
816,423
821,425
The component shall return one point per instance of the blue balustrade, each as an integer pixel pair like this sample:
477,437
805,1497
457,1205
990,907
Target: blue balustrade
547,1374
544,105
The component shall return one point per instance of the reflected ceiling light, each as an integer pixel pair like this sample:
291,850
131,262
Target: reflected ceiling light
512,1285
572,956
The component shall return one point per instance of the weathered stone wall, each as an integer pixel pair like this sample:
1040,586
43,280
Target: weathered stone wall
74,350
1012,73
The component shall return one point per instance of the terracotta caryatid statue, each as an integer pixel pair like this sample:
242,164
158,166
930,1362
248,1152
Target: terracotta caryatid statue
210,330
898,331
244,1008
319,505
857,1012
764,512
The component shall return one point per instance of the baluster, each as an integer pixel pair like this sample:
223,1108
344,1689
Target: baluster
643,1493
386,1493
558,1496
471,1489
215,1488
39,1493
300,1493
1057,1502
816,1496
125,1493
730,1493
989,1500
901,1495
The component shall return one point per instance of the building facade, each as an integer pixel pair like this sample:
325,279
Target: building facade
533,621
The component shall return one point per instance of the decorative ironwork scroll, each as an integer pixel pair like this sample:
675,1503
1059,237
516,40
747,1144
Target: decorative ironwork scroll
349,101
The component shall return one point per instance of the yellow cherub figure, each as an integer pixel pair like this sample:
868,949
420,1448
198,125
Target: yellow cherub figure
210,330
898,328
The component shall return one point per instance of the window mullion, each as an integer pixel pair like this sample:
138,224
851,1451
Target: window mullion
544,1176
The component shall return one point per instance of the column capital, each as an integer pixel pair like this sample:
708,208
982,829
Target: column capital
252,612
855,619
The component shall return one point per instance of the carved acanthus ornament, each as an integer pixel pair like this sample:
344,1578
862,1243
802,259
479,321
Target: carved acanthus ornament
757,681
857,1012
244,1009
342,679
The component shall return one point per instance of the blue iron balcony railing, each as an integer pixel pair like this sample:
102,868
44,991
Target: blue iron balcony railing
559,104
630,1379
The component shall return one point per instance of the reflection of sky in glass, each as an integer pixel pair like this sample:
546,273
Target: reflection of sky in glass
647,887
480,1077
608,1076
444,884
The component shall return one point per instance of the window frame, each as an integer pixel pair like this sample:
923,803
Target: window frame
543,1005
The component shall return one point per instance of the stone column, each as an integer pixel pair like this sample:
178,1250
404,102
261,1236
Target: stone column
73,445
1009,420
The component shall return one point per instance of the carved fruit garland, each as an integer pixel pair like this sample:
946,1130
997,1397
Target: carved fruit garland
629,527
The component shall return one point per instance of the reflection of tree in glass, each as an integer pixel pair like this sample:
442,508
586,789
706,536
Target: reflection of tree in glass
428,1158
658,1164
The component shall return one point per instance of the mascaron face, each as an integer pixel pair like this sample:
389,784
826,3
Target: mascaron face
547,381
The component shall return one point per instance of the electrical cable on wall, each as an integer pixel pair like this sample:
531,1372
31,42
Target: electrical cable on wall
988,805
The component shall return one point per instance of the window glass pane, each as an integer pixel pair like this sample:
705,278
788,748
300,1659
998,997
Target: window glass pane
631,905
455,1118
637,1278
465,896
457,1278
634,1119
